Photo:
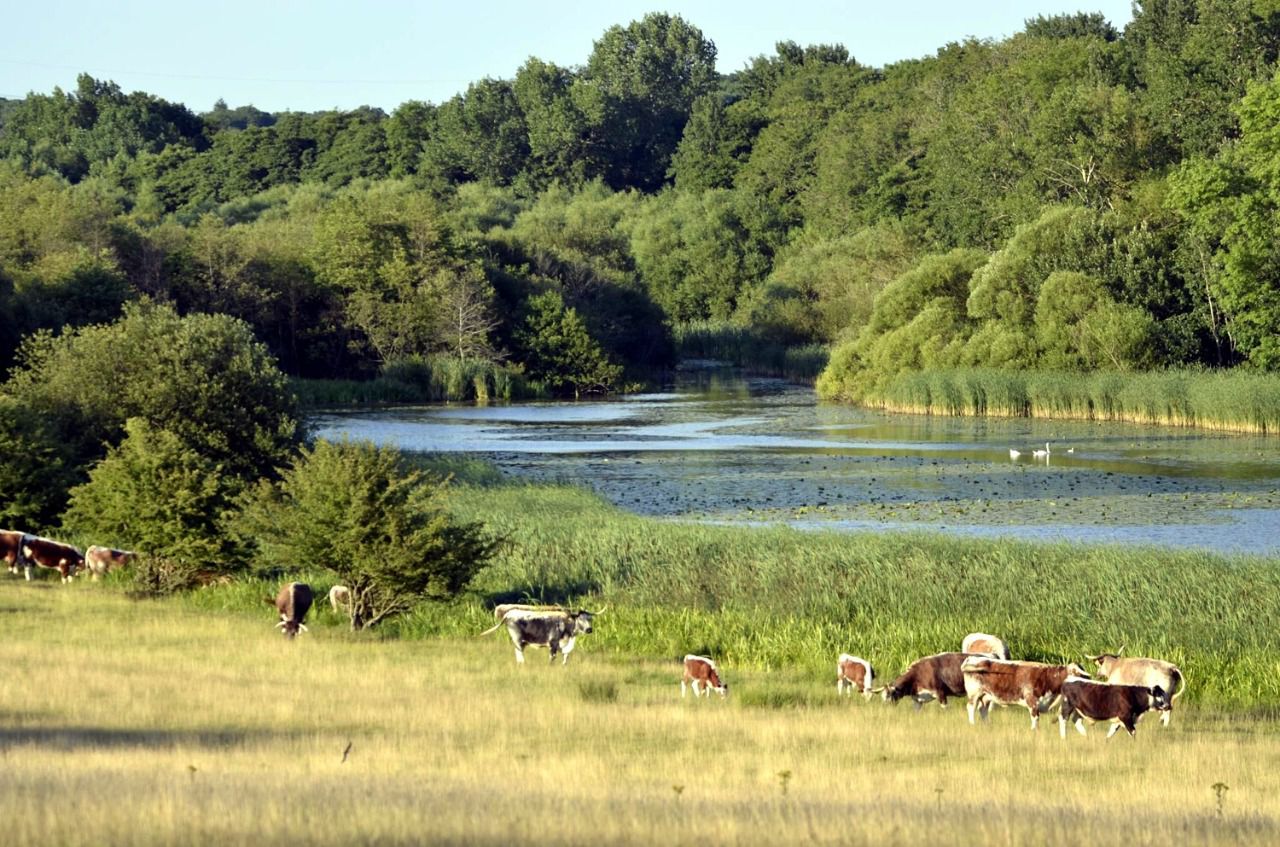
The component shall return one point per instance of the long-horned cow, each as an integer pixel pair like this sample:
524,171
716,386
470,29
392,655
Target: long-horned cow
100,561
855,674
1135,670
293,602
55,555
981,642
555,630
702,675
1032,684
1105,701
933,677
11,549
500,611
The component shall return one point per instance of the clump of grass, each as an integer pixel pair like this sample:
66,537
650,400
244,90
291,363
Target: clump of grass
598,691
418,379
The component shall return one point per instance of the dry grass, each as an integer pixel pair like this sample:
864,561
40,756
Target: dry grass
138,723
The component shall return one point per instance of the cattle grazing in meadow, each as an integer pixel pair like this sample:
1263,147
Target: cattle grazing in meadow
500,611
293,602
933,677
557,631
11,548
702,675
855,674
340,598
981,642
1105,701
1134,670
1035,685
54,555
100,561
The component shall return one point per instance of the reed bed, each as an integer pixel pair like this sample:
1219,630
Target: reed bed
430,379
748,348
147,723
1231,401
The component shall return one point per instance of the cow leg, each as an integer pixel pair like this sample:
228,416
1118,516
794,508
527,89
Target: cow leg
971,707
839,685
567,649
1080,727
27,572
1034,708
683,687
1164,717
520,645
1114,728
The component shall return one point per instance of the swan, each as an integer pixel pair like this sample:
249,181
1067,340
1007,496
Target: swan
1042,454
1013,454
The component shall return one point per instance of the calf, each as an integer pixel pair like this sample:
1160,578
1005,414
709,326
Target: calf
981,642
293,602
855,674
936,677
1104,701
103,560
54,555
555,630
699,671
1134,670
11,549
1033,684
340,598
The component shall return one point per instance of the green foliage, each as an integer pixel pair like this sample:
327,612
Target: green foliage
154,493
379,526
35,471
559,352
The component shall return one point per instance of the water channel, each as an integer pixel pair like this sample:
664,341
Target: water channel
720,447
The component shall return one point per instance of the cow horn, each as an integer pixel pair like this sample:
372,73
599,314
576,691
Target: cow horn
877,689
1091,658
280,624
303,627
602,608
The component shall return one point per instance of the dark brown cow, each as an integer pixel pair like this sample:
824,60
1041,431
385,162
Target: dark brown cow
293,602
1033,684
100,561
855,674
701,672
555,630
937,677
1135,670
54,555
11,549
1104,701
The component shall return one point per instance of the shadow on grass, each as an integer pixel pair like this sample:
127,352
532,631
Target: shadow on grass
75,738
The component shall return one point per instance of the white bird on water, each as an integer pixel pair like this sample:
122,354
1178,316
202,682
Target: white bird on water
1042,454
1013,454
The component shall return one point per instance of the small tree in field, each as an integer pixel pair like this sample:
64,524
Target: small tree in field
381,528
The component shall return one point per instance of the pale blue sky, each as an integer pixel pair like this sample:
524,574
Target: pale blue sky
323,54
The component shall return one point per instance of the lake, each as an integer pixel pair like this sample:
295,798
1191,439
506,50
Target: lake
723,448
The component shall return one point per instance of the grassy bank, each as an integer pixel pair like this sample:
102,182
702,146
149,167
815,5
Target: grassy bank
747,348
1234,401
168,727
433,379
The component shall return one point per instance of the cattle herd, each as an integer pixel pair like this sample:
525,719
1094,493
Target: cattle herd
981,671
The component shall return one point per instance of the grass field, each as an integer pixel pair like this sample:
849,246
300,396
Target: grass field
162,722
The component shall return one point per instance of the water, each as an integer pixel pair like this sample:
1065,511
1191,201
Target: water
726,449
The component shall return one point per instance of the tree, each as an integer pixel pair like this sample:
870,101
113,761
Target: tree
382,528
35,471
557,349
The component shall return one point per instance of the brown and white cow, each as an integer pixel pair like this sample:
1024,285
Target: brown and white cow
555,630
933,677
981,642
702,673
11,548
340,598
1104,701
1134,670
293,602
55,555
100,561
855,674
1035,685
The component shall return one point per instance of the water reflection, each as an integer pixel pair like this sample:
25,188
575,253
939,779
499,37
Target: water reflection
717,448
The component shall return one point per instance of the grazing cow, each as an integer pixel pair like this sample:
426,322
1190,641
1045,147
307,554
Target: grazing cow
500,611
11,549
1104,701
340,598
855,674
1134,670
701,672
103,560
54,555
555,630
293,602
936,677
981,642
1033,684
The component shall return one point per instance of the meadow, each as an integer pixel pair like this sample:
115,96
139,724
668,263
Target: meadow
150,722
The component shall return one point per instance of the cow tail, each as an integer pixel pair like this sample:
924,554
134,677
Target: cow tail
492,628
1182,685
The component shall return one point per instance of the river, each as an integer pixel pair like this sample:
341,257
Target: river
723,448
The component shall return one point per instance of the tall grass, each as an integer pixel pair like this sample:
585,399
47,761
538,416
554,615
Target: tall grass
142,723
1235,401
747,348
423,380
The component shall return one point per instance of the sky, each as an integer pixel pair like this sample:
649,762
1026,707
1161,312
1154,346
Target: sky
283,55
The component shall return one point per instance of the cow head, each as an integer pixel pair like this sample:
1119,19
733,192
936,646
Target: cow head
1160,699
1106,662
1075,670
289,629
582,621
892,693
